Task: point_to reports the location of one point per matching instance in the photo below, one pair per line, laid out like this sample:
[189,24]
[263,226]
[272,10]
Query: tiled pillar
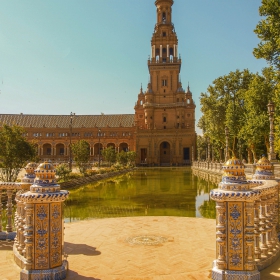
[43,230]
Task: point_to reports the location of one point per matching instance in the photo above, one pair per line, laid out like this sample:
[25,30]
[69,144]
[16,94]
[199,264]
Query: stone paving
[136,248]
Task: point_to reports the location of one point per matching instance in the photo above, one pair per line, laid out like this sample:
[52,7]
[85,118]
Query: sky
[90,56]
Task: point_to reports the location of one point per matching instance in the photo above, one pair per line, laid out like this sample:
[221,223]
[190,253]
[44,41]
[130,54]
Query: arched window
[163,17]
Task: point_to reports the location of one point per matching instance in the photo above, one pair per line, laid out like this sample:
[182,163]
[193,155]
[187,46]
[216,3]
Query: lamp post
[271,109]
[99,131]
[227,134]
[70,148]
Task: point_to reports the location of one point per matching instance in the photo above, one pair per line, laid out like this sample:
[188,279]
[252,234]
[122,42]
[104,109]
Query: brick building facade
[162,130]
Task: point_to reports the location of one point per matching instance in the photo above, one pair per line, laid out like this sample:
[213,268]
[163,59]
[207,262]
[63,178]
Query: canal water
[143,192]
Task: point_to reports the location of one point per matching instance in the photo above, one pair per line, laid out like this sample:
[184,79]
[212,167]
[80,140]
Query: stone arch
[123,147]
[165,152]
[60,149]
[96,149]
[111,145]
[47,149]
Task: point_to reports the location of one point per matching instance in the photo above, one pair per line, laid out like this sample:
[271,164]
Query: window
[178,125]
[49,151]
[164,34]
[163,16]
[164,127]
[164,119]
[164,83]
[177,99]
[164,145]
[61,151]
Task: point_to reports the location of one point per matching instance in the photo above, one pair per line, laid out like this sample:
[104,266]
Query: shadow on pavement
[72,275]
[80,249]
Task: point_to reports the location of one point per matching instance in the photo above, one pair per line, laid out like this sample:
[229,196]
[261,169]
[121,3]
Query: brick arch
[123,147]
[60,149]
[111,145]
[96,149]
[47,149]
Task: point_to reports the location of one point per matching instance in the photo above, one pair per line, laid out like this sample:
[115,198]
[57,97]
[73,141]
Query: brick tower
[165,112]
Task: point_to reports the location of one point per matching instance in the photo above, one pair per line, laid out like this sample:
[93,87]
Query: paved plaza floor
[136,248]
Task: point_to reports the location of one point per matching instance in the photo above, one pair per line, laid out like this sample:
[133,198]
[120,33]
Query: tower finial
[188,86]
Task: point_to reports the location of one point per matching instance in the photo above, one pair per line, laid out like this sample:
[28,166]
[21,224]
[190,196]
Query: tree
[15,151]
[268,31]
[222,105]
[131,156]
[81,152]
[109,155]
[63,171]
[255,122]
[122,157]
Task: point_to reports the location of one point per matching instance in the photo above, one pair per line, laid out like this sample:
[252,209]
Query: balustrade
[6,192]
[247,220]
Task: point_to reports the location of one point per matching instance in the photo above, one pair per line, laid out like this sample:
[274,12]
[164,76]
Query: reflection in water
[150,192]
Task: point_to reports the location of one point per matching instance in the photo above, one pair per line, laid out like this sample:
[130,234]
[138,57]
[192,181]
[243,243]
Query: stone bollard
[42,256]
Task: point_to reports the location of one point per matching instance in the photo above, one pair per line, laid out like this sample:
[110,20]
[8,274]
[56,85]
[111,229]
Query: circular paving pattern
[146,240]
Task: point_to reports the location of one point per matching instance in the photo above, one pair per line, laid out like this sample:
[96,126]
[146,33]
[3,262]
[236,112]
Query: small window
[164,152]
[164,96]
[164,127]
[164,34]
[164,119]
[151,117]
[164,83]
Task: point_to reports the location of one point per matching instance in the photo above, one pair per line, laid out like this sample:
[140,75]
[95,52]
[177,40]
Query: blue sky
[90,56]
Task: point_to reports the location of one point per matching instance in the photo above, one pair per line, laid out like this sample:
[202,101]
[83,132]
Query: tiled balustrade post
[43,229]
[237,233]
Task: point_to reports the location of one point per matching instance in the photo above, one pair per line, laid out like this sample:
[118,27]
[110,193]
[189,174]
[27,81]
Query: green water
[143,192]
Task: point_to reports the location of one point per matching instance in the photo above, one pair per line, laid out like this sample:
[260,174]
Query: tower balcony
[161,60]
[166,105]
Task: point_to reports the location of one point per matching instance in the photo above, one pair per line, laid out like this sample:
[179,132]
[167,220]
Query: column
[9,227]
[174,51]
[221,235]
[257,231]
[28,234]
[263,230]
[249,236]
[160,51]
[167,51]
